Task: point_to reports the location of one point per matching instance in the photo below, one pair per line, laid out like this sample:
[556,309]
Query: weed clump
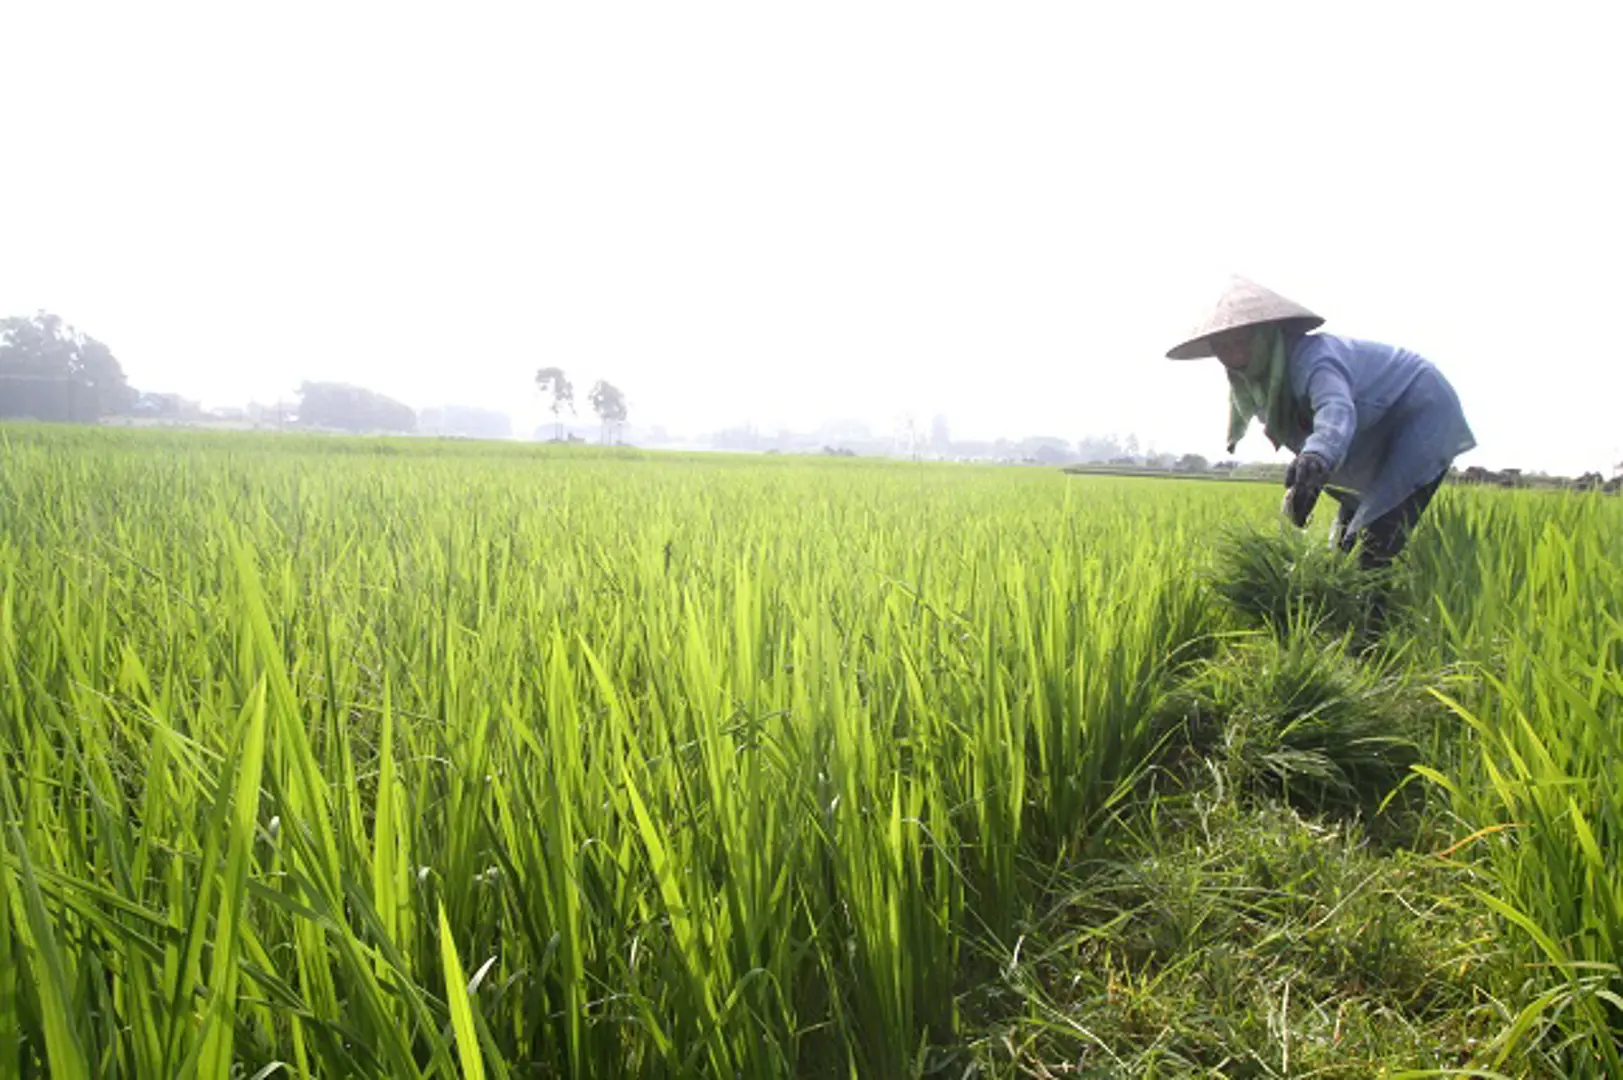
[1285,579]
[1227,937]
[1299,718]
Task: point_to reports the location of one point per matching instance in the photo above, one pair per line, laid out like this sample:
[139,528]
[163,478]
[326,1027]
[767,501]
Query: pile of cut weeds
[1226,936]
[1273,904]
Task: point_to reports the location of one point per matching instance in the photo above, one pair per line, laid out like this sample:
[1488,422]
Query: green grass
[328,757]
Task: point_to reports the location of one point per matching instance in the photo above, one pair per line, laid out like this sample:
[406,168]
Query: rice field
[345,758]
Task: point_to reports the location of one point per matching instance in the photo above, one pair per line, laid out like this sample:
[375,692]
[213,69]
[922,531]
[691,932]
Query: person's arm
[1335,418]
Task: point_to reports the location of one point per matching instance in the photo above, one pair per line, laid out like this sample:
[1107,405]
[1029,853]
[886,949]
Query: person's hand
[1304,480]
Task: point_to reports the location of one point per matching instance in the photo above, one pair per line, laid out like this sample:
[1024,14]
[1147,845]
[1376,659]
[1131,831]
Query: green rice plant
[1539,754]
[354,763]
[335,757]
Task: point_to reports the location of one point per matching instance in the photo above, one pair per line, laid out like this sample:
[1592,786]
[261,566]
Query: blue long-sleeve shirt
[1383,417]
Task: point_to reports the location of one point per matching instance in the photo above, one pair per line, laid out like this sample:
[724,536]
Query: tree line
[51,371]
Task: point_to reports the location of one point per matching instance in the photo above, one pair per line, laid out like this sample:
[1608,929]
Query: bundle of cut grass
[1285,578]
[1289,716]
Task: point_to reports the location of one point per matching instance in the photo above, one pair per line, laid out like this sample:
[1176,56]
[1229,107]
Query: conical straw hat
[1243,303]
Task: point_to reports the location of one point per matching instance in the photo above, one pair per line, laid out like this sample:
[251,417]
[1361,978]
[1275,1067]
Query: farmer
[1377,422]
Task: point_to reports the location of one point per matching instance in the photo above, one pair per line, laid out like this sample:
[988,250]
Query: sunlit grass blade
[456,994]
[216,1058]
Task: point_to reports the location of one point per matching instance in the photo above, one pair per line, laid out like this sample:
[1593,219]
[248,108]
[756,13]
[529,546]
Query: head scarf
[1263,390]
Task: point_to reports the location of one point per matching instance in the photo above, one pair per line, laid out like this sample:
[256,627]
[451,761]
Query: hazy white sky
[784,213]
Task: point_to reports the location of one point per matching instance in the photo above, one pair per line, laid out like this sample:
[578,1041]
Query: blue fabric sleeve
[1323,379]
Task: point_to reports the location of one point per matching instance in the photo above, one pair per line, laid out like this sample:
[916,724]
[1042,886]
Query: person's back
[1384,419]
[1376,373]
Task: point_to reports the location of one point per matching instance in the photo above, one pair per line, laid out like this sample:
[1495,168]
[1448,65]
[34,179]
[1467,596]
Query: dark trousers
[1385,537]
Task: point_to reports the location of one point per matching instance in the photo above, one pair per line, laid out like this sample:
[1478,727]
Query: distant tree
[940,435]
[352,408]
[50,371]
[1130,447]
[1193,463]
[552,380]
[609,404]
